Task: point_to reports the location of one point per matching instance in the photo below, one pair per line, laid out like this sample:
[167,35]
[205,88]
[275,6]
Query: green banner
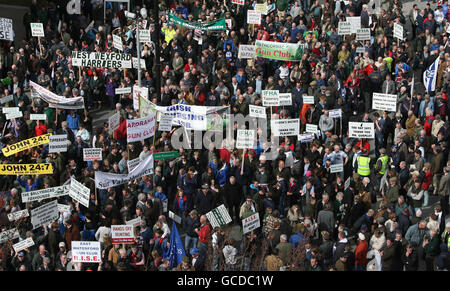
[165,155]
[278,50]
[213,25]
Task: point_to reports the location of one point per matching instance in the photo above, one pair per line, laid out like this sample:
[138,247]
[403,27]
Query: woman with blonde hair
[294,215]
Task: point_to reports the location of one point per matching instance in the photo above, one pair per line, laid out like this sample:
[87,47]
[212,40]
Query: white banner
[363,34]
[13,216]
[335,113]
[337,168]
[45,193]
[126,90]
[79,192]
[57,143]
[344,28]
[398,31]
[26,243]
[385,102]
[92,154]
[308,99]
[253,17]
[44,214]
[122,234]
[257,111]
[104,180]
[312,128]
[56,101]
[114,121]
[355,23]
[270,97]
[133,164]
[6,29]
[37,30]
[251,223]
[139,91]
[188,116]
[117,42]
[86,252]
[361,129]
[38,116]
[165,122]
[246,51]
[101,60]
[285,99]
[285,127]
[245,139]
[141,128]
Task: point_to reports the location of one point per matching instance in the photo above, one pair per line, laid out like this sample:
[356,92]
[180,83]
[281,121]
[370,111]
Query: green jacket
[392,194]
[432,248]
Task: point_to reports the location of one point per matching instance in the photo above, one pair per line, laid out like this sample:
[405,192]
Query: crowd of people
[385,211]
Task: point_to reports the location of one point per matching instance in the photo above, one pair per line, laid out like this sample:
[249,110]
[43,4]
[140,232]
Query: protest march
[225,135]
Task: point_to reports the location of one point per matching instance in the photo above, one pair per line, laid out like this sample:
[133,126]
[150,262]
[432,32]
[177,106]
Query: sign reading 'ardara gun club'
[101,60]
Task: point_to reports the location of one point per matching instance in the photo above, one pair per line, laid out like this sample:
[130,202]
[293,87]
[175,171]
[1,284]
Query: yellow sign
[261,7]
[26,144]
[25,169]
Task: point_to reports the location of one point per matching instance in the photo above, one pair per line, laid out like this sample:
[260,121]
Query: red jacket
[204,234]
[121,132]
[40,130]
[427,180]
[361,253]
[428,124]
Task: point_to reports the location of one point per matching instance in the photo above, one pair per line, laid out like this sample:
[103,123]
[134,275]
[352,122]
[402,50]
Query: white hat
[361,236]
[418,213]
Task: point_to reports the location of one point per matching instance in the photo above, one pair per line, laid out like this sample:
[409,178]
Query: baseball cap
[194,251]
[21,254]
[62,245]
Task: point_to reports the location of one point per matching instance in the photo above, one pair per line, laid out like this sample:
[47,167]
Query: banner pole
[243,161]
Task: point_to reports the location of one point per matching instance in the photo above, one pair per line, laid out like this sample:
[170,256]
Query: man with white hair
[284,249]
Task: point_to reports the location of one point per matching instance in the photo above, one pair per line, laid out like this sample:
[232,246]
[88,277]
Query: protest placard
[219,216]
[344,28]
[63,208]
[117,42]
[44,214]
[175,217]
[360,50]
[253,17]
[347,183]
[285,99]
[257,111]
[336,168]
[37,30]
[13,216]
[38,116]
[285,127]
[363,34]
[246,51]
[251,223]
[45,193]
[385,102]
[361,129]
[79,192]
[141,128]
[238,2]
[165,123]
[122,234]
[312,128]
[139,91]
[26,144]
[26,243]
[308,99]
[135,63]
[134,222]
[92,154]
[101,60]
[270,97]
[125,90]
[133,164]
[9,234]
[86,252]
[398,31]
[16,114]
[9,110]
[7,99]
[335,113]
[245,139]
[26,169]
[261,8]
[355,23]
[6,29]
[114,121]
[58,143]
[306,137]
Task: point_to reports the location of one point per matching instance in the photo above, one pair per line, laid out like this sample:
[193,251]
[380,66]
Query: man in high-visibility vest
[363,164]
[382,164]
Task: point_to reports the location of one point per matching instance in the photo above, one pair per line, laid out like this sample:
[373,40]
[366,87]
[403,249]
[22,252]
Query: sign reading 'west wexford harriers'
[101,60]
[212,25]
[278,50]
[26,144]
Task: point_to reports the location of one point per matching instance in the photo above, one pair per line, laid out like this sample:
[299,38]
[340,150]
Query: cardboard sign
[126,90]
[86,252]
[270,97]
[355,23]
[13,216]
[308,99]
[101,60]
[117,42]
[246,51]
[285,127]
[337,168]
[306,137]
[312,128]
[285,99]
[58,143]
[363,34]
[26,169]
[26,144]
[144,35]
[26,243]
[257,111]
[44,214]
[122,234]
[79,192]
[245,139]
[335,113]
[38,116]
[361,129]
[114,121]
[133,164]
[175,217]
[92,154]
[45,193]
[7,99]
[165,123]
[6,29]
[344,28]
[14,115]
[219,217]
[385,102]
[398,31]
[254,17]
[37,30]
[141,128]
[251,223]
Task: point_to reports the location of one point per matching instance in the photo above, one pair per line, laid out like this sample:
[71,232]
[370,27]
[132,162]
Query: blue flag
[430,76]
[176,252]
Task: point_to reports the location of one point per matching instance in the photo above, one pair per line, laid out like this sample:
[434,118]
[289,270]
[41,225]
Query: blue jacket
[26,186]
[73,122]
[222,175]
[295,239]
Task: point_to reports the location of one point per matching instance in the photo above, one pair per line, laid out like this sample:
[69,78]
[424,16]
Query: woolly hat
[361,236]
